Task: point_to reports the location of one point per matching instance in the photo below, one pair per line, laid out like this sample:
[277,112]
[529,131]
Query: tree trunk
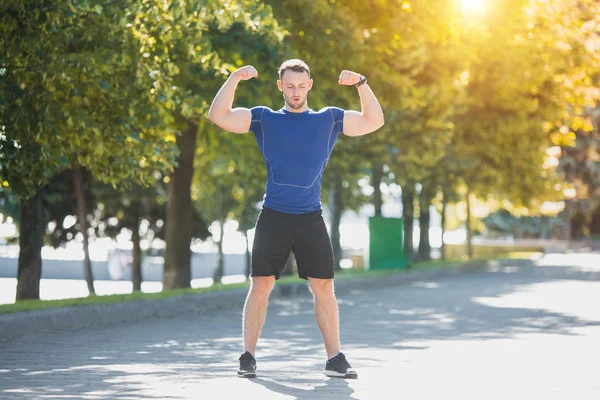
[595,223]
[408,215]
[377,199]
[424,245]
[218,275]
[82,217]
[248,256]
[568,215]
[136,266]
[443,246]
[469,231]
[177,270]
[335,206]
[31,235]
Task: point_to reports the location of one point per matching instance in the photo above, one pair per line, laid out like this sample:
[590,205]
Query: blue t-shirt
[295,149]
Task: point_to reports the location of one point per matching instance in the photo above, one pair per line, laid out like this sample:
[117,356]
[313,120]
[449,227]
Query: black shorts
[278,233]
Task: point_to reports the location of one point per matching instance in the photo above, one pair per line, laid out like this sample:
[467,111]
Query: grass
[29,305]
[460,261]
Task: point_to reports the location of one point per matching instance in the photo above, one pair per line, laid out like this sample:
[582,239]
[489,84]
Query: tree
[68,194]
[140,210]
[66,74]
[511,102]
[251,180]
[82,219]
[186,66]
[218,200]
[228,182]
[447,194]
[579,166]
[422,129]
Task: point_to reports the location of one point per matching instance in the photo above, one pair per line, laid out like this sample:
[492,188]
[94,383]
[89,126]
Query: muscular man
[296,143]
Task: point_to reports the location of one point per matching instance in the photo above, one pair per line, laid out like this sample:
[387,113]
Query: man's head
[294,82]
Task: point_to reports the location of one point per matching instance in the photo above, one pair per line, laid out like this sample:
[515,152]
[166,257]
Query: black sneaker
[339,367]
[247,366]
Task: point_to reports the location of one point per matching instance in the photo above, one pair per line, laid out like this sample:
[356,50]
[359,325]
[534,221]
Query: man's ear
[280,85]
[310,83]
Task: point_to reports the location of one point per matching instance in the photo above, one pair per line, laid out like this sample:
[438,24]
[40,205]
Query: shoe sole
[347,375]
[246,374]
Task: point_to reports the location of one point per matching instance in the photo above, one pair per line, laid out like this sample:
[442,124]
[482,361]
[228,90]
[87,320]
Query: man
[296,143]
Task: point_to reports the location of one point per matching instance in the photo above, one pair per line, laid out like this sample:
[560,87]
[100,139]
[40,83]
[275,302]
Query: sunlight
[474,6]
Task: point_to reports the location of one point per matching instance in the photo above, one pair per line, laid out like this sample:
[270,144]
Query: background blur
[112,179]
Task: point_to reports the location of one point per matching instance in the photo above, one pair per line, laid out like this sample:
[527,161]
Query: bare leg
[326,312]
[255,310]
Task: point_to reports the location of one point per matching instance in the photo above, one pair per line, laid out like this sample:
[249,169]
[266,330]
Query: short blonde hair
[295,65]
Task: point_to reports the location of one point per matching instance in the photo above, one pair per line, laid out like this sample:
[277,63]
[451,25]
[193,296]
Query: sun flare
[473,5]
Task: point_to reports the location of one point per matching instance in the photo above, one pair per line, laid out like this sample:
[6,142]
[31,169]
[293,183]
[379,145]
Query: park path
[520,331]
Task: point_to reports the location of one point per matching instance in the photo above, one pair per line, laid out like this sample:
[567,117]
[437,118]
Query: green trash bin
[386,243]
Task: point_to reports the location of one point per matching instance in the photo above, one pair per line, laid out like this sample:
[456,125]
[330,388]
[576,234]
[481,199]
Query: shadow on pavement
[332,387]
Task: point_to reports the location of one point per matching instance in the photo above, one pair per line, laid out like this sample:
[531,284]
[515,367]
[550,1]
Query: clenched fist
[349,78]
[245,73]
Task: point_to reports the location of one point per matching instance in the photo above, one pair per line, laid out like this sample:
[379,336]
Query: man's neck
[304,108]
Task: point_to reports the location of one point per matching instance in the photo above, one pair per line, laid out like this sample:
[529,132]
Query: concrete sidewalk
[507,331]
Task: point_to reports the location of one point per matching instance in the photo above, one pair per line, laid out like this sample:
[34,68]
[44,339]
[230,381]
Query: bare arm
[235,120]
[371,116]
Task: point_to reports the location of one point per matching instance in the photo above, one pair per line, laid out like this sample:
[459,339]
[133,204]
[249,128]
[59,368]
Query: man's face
[295,87]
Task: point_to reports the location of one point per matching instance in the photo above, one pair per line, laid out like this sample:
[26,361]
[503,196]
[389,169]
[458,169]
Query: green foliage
[579,165]
[472,100]
[512,102]
[71,96]
[187,47]
[230,177]
[190,49]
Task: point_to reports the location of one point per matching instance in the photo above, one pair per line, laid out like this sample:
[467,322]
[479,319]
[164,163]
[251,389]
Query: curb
[15,325]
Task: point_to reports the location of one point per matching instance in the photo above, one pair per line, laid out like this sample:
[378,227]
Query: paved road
[512,332]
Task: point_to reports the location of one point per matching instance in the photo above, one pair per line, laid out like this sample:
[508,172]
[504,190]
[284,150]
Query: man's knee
[262,285]
[321,287]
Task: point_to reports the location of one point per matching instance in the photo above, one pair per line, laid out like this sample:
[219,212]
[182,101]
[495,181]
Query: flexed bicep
[222,114]
[371,116]
[356,124]
[236,120]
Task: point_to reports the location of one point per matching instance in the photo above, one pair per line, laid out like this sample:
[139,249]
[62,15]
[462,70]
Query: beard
[293,105]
